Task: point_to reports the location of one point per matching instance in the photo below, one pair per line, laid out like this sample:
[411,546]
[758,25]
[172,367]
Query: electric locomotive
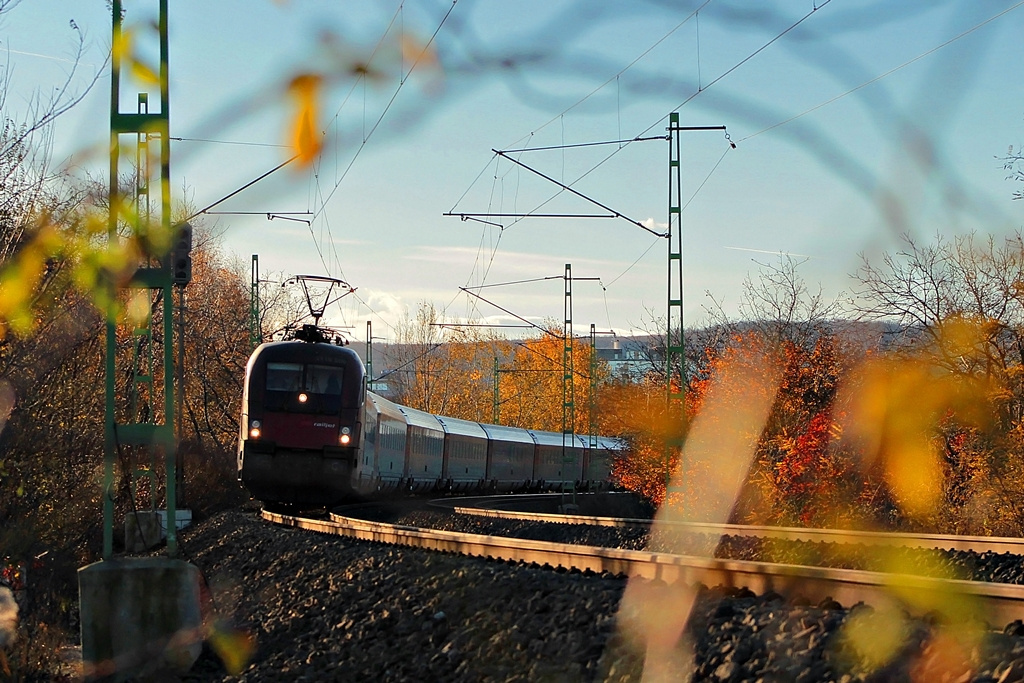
[311,435]
[301,426]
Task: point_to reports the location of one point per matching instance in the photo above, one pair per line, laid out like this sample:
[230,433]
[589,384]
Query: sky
[854,122]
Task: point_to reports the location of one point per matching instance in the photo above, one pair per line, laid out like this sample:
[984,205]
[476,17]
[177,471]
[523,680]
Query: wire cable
[243,187]
[884,75]
[394,96]
[643,133]
[227,142]
[621,72]
[746,59]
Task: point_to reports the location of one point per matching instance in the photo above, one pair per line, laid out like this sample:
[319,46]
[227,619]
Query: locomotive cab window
[284,376]
[324,379]
[322,384]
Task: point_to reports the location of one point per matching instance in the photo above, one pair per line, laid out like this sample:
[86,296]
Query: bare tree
[26,178]
[959,305]
[1013,164]
[927,291]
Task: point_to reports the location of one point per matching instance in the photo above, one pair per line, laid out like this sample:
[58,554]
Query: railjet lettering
[329,425]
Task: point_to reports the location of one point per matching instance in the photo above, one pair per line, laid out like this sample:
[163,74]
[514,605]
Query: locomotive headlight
[346,430]
[254,429]
[345,438]
[303,398]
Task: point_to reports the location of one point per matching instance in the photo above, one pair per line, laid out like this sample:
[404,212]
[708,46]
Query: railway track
[995,603]
[486,506]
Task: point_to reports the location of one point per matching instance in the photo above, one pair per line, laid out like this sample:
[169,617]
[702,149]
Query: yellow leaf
[143,72]
[875,636]
[138,309]
[234,647]
[122,45]
[915,474]
[306,142]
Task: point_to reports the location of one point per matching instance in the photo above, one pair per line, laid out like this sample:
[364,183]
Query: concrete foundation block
[140,617]
[142,531]
[182,519]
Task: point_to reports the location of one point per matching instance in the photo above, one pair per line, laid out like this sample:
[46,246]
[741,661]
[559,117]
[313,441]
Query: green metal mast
[496,408]
[255,332]
[675,349]
[593,386]
[144,423]
[568,394]
[369,355]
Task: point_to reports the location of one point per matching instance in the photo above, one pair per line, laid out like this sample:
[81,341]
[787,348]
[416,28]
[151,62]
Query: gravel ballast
[331,608]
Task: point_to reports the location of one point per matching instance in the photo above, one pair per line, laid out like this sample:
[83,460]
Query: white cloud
[652,224]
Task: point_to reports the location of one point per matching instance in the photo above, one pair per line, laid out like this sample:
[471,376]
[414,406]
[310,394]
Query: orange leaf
[306,142]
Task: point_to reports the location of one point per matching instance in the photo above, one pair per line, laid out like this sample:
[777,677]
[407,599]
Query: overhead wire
[494,249]
[818,106]
[614,78]
[520,282]
[638,259]
[392,371]
[387,107]
[643,133]
[242,188]
[884,75]
[472,306]
[607,313]
[626,68]
[226,142]
[700,89]
[746,59]
[704,182]
[403,77]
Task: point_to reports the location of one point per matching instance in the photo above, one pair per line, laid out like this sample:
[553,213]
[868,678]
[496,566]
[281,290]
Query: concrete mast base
[140,617]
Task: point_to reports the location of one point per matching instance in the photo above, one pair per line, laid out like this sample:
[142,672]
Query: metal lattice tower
[369,355]
[255,331]
[496,404]
[675,351]
[675,345]
[143,422]
[593,386]
[568,394]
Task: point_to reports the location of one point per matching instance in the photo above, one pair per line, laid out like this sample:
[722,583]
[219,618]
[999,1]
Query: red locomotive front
[300,430]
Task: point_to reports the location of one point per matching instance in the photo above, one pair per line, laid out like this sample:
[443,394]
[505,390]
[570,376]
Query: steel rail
[997,604]
[978,544]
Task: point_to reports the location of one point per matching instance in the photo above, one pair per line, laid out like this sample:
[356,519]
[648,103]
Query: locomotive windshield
[321,384]
[324,379]
[284,376]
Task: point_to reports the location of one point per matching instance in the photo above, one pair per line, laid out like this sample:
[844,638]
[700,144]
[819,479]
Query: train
[312,434]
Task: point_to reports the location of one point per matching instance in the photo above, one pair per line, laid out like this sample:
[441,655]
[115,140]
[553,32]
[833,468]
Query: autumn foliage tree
[959,306]
[443,368]
[446,368]
[638,413]
[533,387]
[909,416]
[793,477]
[801,476]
